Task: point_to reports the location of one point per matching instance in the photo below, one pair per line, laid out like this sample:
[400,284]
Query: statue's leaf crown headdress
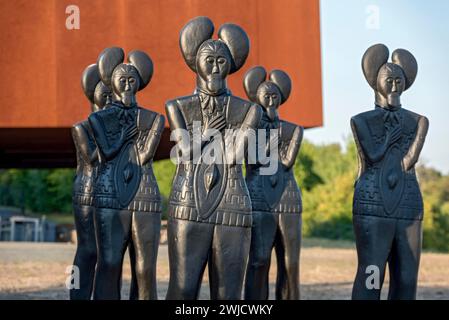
[257,76]
[110,58]
[377,55]
[201,29]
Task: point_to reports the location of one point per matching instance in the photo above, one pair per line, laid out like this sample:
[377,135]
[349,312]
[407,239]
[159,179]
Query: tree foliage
[326,174]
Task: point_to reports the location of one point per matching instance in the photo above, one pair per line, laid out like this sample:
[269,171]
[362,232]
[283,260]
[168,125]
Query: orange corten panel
[42,61]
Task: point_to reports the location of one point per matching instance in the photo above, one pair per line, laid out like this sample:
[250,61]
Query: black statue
[388,206]
[275,198]
[209,207]
[87,162]
[127,198]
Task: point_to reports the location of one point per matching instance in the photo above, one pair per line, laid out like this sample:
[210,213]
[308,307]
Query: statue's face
[102,96]
[391,83]
[213,64]
[269,97]
[125,83]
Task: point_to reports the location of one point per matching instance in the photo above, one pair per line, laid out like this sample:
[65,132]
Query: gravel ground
[37,271]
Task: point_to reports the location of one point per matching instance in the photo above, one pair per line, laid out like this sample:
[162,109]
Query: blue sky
[348,28]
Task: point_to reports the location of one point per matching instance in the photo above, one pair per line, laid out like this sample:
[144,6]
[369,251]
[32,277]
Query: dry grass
[37,271]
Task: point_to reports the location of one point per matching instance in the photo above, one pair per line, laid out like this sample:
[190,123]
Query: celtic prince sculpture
[275,198]
[127,198]
[209,207]
[388,206]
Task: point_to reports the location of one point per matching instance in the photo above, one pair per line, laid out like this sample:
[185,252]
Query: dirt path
[37,271]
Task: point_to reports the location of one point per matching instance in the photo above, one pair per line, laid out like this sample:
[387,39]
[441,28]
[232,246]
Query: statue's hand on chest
[215,121]
[393,127]
[272,132]
[128,122]
[213,113]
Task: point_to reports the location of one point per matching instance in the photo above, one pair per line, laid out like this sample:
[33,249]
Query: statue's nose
[215,68]
[127,86]
[394,88]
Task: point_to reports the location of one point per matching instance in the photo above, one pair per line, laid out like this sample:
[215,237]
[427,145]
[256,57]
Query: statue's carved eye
[398,80]
[132,80]
[221,60]
[210,60]
[267,96]
[274,96]
[122,80]
[105,95]
[389,80]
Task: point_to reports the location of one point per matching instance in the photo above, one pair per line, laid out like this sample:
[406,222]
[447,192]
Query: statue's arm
[153,139]
[293,148]
[178,128]
[412,156]
[82,145]
[109,151]
[251,122]
[363,139]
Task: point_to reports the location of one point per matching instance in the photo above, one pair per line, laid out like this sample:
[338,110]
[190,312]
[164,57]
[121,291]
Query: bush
[325,173]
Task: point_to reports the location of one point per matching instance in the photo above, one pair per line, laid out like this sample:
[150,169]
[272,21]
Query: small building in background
[18,227]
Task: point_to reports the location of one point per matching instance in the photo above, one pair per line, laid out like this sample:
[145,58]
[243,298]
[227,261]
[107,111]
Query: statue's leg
[134,287]
[227,262]
[263,232]
[374,238]
[404,260]
[113,233]
[86,251]
[145,234]
[288,248]
[189,244]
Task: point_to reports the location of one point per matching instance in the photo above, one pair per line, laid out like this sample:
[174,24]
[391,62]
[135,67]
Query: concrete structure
[42,61]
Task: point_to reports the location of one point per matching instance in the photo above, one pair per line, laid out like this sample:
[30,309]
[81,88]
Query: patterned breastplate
[384,188]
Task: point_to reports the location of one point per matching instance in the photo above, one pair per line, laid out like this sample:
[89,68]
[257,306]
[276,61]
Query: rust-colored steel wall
[42,60]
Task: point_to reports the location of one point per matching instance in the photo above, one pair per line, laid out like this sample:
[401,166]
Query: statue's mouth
[271,113]
[214,84]
[127,98]
[394,99]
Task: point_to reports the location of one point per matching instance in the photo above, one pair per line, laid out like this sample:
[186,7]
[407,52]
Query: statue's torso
[234,204]
[278,193]
[143,189]
[384,188]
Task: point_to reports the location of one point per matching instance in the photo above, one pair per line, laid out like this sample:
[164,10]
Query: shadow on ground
[324,291]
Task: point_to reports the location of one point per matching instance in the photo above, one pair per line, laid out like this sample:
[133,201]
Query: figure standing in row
[127,198]
[275,198]
[209,207]
[85,260]
[388,206]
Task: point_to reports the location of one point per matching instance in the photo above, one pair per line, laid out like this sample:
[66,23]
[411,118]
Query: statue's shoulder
[239,108]
[106,120]
[413,115]
[146,117]
[80,125]
[240,105]
[109,112]
[367,115]
[288,129]
[184,102]
[370,118]
[82,131]
[412,120]
[188,106]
